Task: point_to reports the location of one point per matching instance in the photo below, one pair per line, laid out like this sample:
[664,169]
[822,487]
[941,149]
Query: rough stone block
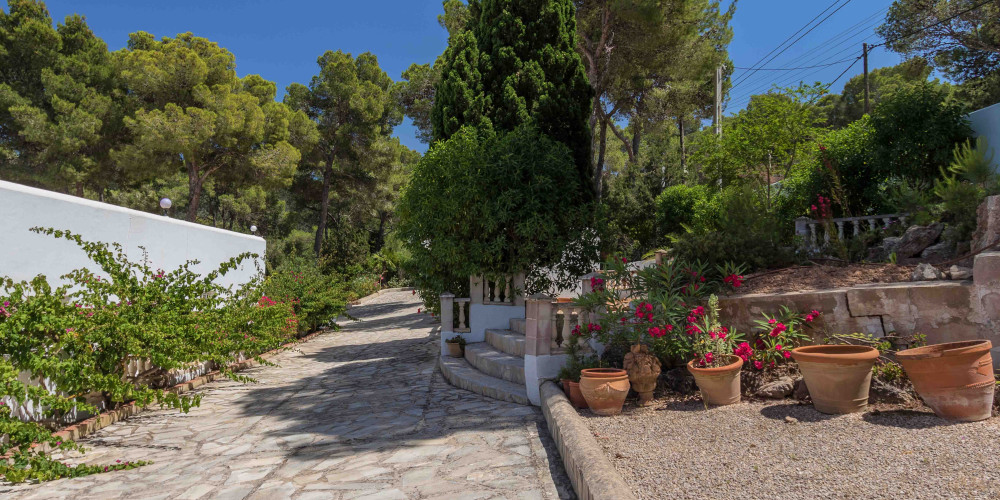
[986,270]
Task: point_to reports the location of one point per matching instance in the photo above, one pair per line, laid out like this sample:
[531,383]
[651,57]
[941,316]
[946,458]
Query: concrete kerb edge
[589,470]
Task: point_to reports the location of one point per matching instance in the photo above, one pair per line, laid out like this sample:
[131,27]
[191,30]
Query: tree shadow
[798,411]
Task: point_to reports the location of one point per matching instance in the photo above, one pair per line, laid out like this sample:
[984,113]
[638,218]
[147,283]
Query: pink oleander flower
[787,354]
[758,365]
[777,347]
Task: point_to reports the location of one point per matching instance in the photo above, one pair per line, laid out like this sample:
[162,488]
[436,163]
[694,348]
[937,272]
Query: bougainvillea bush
[316,298]
[655,305]
[81,338]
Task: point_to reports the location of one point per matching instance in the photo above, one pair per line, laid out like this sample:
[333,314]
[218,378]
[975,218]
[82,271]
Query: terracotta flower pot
[838,376]
[643,371]
[455,349]
[604,389]
[572,390]
[719,385]
[954,379]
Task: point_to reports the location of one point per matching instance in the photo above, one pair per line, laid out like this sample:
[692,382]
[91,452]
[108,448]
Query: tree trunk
[599,168]
[324,209]
[636,137]
[680,129]
[194,191]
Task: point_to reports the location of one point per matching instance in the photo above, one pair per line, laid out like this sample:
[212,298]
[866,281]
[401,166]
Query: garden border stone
[93,424]
[589,470]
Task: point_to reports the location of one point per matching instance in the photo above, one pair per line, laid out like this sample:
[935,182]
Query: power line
[799,38]
[800,67]
[825,48]
[759,61]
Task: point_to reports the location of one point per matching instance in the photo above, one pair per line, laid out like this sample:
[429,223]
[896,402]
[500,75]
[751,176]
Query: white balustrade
[810,229]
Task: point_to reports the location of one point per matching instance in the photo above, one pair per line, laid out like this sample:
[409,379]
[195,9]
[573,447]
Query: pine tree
[517,64]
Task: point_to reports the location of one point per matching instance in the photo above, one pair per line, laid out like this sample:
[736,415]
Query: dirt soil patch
[676,448]
[822,277]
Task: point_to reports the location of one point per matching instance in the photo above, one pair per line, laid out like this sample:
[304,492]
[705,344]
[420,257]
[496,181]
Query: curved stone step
[460,373]
[506,341]
[517,325]
[494,363]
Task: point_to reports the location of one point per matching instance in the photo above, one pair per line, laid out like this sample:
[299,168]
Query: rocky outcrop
[926,272]
[938,252]
[916,239]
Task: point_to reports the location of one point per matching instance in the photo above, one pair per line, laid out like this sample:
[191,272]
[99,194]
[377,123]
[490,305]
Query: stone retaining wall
[944,311]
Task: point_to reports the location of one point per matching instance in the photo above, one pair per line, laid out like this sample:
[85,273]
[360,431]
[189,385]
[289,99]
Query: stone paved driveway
[359,413]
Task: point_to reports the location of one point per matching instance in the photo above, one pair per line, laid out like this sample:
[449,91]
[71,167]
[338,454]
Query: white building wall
[986,123]
[169,242]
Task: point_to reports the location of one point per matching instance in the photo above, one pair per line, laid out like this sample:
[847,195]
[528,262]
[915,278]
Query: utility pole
[717,118]
[864,53]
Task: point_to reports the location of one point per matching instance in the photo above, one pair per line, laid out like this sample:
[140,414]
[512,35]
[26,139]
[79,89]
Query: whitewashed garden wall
[168,243]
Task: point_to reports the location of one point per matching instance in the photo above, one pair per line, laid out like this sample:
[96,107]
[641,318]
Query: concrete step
[517,325]
[506,341]
[460,373]
[494,363]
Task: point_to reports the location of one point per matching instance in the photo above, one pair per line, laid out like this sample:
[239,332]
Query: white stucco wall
[986,123]
[169,242]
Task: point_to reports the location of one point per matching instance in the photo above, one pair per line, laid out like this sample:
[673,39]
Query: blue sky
[281,41]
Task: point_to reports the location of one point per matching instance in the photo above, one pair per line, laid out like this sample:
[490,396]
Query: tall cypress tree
[517,63]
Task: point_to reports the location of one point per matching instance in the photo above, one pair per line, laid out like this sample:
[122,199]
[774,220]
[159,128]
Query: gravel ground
[787,450]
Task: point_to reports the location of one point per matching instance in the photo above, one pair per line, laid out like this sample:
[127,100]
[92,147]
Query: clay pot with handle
[572,390]
[954,379]
[604,389]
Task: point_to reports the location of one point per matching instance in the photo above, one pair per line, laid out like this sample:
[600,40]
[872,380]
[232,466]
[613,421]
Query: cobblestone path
[360,413]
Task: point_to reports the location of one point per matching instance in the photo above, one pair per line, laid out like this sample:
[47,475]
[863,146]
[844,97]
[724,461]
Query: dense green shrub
[675,207]
[493,205]
[316,298]
[914,131]
[734,227]
[628,204]
[81,337]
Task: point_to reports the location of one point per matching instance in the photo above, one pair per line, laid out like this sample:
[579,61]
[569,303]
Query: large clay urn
[643,371]
[604,389]
[954,379]
[838,376]
[719,385]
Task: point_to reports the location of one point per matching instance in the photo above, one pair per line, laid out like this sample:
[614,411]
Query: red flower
[758,365]
[787,354]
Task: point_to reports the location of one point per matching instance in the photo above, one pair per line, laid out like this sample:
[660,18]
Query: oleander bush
[81,337]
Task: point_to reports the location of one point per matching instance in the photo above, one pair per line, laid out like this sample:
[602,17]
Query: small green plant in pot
[569,375]
[456,346]
[715,369]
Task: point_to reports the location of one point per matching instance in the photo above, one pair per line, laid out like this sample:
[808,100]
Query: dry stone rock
[801,392]
[882,252]
[926,272]
[959,273]
[987,224]
[918,238]
[777,389]
[881,392]
[937,252]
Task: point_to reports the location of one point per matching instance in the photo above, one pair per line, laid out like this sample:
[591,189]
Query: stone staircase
[494,368]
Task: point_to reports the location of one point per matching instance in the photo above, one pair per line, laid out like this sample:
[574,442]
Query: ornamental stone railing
[813,231]
[492,303]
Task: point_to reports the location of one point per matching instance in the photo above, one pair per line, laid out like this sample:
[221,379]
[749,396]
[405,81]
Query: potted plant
[569,375]
[838,376]
[604,389]
[456,346]
[715,369]
[954,379]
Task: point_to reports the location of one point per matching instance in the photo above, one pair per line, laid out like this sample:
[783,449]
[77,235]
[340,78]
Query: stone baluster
[463,306]
[447,314]
[840,230]
[902,221]
[812,235]
[506,290]
[874,226]
[857,227]
[826,235]
[886,221]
